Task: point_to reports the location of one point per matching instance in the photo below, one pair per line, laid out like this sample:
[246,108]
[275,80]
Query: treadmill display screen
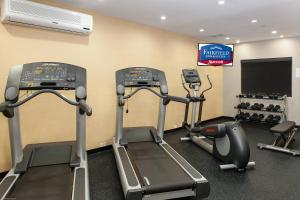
[48,75]
[40,73]
[141,77]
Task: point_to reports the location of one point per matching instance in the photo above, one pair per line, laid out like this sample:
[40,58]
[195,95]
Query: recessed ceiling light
[227,38]
[221,2]
[202,30]
[254,21]
[238,41]
[163,17]
[281,36]
[274,32]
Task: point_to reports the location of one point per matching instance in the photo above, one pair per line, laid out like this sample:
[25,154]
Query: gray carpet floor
[276,175]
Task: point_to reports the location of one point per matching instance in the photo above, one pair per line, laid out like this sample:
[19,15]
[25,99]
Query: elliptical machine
[226,141]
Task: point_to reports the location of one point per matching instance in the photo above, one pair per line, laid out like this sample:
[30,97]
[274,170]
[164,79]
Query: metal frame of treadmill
[17,150]
[198,178]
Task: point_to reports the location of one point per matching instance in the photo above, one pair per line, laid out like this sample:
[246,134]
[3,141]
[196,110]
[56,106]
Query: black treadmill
[58,170]
[148,167]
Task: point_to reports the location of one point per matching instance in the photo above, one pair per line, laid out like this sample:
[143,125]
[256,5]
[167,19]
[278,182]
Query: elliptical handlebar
[81,104]
[210,86]
[184,87]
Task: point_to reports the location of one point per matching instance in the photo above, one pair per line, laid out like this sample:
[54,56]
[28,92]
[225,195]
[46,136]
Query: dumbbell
[270,107]
[259,96]
[249,96]
[273,96]
[276,108]
[246,116]
[238,116]
[254,106]
[276,119]
[257,117]
[261,117]
[243,116]
[247,105]
[241,105]
[254,117]
[261,106]
[270,118]
[257,106]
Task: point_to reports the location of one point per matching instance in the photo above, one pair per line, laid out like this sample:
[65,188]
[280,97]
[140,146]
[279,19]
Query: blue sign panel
[215,54]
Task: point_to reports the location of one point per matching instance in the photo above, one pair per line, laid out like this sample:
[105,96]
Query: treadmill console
[137,77]
[140,77]
[191,76]
[48,75]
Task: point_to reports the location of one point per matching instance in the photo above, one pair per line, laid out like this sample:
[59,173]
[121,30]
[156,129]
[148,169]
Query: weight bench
[284,136]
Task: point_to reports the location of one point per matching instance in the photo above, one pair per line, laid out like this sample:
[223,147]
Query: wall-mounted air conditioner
[28,13]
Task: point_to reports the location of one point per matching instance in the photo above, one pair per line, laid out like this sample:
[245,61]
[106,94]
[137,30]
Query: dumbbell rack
[282,101]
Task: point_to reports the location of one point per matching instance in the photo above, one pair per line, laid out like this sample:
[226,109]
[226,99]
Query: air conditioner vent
[217,36]
[28,13]
[49,14]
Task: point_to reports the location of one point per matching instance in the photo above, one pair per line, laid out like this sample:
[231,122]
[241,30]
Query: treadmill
[149,168]
[56,171]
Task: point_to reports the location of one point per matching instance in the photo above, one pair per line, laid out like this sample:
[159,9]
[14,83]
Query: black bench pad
[284,127]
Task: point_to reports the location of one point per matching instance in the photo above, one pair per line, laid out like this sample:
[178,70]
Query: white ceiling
[233,19]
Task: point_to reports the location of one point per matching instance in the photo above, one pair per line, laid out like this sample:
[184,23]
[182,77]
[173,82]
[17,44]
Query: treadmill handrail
[81,104]
[143,88]
[166,97]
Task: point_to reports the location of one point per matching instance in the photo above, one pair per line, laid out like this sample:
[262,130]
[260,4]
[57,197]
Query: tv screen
[267,76]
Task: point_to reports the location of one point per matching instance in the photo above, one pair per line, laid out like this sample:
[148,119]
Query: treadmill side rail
[131,186]
[202,188]
[170,195]
[81,187]
[6,184]
[79,184]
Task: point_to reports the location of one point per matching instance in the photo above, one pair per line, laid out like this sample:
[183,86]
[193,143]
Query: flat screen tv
[267,76]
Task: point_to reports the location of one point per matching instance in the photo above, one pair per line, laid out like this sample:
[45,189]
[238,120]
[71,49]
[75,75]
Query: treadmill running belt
[158,170]
[53,182]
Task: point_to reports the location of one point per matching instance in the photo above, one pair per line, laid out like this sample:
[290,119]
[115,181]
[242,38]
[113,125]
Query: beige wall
[113,45]
[286,47]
